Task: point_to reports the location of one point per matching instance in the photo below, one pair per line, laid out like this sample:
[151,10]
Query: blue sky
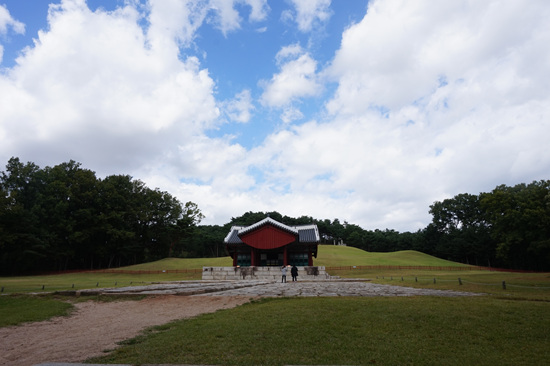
[366,111]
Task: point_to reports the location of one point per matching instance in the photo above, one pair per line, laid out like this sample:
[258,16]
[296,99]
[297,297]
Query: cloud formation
[297,78]
[7,22]
[420,101]
[431,101]
[308,13]
[93,81]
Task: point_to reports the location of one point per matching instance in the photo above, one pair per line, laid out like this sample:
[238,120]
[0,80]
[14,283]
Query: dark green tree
[63,217]
[22,247]
[520,224]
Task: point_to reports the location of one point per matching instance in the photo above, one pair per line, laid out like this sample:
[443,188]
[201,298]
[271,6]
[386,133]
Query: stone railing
[312,273]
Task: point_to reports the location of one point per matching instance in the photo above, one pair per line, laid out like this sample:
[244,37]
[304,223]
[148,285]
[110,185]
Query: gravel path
[98,326]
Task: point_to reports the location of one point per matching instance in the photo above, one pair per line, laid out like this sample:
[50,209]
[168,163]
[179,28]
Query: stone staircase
[309,273]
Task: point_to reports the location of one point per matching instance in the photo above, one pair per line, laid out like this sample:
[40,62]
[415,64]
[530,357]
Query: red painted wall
[268,237]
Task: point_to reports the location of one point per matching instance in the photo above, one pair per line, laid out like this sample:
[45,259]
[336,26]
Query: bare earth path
[96,326]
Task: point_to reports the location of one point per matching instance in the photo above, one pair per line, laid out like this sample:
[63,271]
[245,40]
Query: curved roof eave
[268,220]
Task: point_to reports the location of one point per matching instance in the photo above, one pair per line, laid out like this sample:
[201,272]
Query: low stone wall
[262,273]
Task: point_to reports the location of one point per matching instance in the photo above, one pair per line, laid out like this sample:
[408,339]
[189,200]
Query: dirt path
[95,327]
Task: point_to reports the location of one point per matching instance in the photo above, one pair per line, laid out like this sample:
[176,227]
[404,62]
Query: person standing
[283,271]
[294,273]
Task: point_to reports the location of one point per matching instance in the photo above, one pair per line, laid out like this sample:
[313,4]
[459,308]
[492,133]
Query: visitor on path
[283,271]
[294,273]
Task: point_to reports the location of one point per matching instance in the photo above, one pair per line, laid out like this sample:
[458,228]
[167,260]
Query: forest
[64,217]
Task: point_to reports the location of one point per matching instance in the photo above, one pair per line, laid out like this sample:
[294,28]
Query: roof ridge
[266,221]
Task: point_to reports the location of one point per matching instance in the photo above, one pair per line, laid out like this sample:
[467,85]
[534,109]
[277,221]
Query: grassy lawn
[93,279]
[19,309]
[85,280]
[506,327]
[353,331]
[534,286]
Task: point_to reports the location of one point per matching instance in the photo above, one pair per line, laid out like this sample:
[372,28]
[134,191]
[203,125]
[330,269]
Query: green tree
[22,248]
[462,229]
[520,223]
[64,217]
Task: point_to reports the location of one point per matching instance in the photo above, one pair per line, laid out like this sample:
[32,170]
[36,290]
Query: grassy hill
[182,263]
[334,256]
[328,256]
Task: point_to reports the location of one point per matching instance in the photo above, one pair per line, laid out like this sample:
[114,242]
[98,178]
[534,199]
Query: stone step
[313,273]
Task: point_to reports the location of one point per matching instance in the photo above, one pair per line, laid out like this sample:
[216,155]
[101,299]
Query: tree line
[508,227]
[64,217]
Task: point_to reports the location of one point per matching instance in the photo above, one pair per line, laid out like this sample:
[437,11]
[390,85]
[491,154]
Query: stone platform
[311,273]
[258,288]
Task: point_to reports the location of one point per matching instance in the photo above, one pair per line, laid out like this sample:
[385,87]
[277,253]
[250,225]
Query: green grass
[329,255]
[334,256]
[93,279]
[506,327]
[359,331]
[15,310]
[85,280]
[183,263]
[534,286]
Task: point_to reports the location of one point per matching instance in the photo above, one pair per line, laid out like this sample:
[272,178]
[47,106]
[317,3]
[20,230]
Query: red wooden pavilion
[271,243]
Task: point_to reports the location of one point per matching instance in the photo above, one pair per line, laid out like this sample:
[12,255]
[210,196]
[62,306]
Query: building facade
[271,243]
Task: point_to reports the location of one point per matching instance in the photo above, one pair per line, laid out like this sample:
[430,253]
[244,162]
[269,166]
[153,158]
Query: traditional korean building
[271,243]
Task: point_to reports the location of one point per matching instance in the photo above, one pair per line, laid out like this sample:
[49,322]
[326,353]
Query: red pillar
[285,258]
[252,257]
[309,258]
[235,259]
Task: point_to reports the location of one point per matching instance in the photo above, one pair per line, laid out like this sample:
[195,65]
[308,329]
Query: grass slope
[182,263]
[334,256]
[328,255]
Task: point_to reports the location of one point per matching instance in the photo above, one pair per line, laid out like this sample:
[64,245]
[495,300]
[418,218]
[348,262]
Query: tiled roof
[233,237]
[268,220]
[306,233]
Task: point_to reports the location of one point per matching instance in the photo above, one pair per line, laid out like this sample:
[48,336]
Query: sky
[365,111]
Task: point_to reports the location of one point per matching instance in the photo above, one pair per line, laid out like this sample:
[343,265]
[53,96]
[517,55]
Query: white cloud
[91,89]
[297,78]
[239,109]
[290,114]
[288,53]
[7,21]
[414,46]
[259,9]
[435,100]
[177,19]
[309,13]
[227,18]
[431,99]
[174,20]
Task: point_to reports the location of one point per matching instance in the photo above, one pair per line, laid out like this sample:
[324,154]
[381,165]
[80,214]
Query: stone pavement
[259,288]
